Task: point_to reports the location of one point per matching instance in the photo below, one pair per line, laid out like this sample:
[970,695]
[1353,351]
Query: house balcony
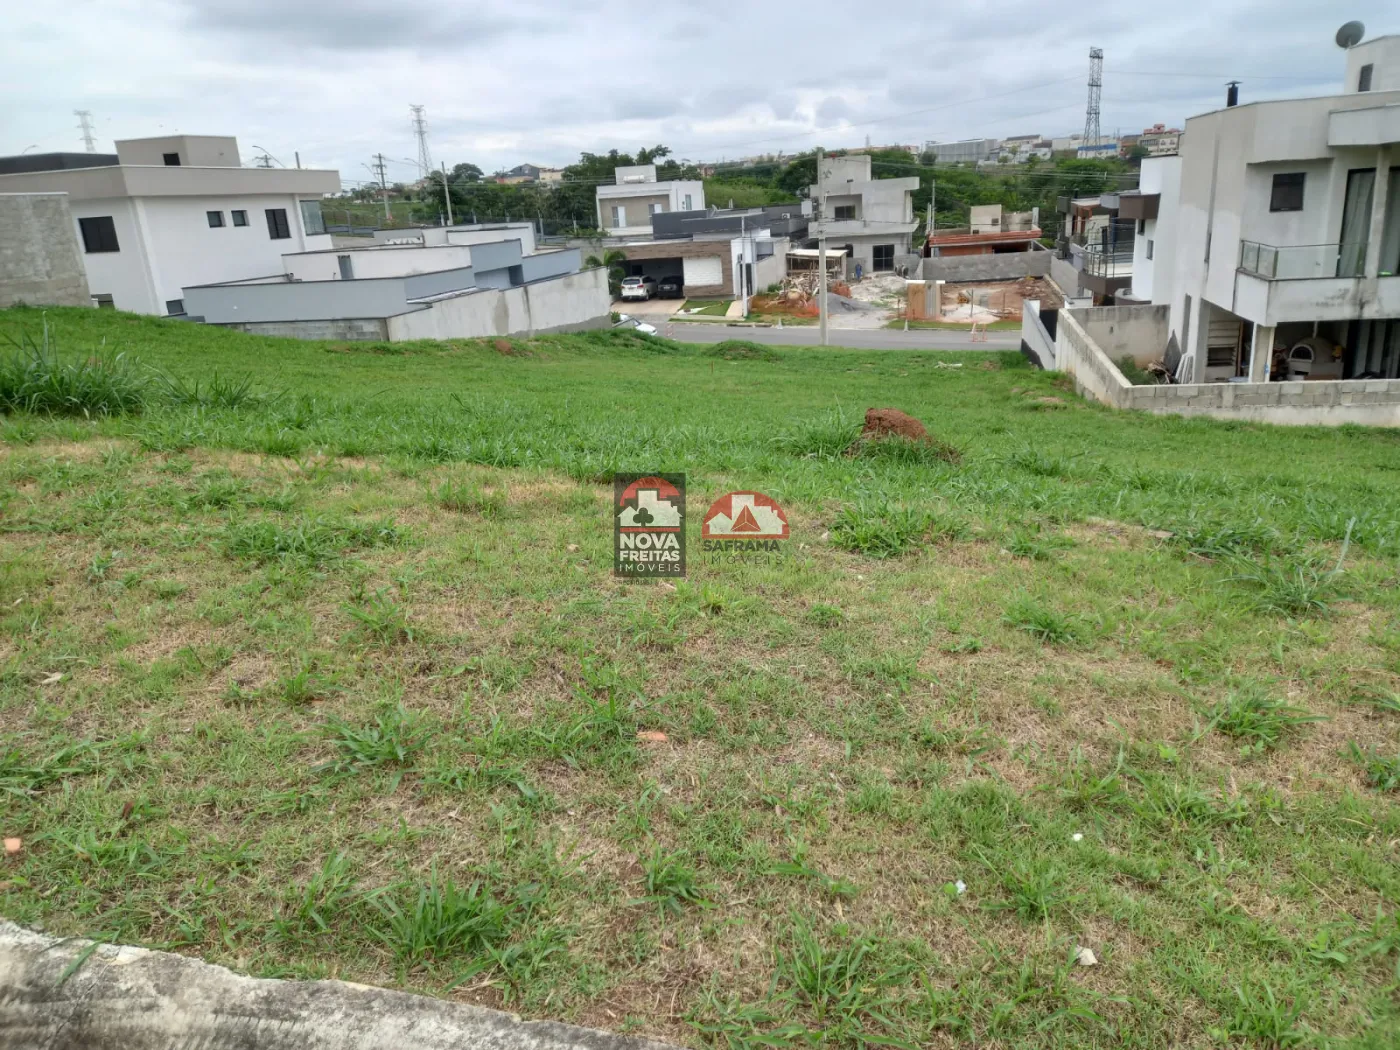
[1376,126]
[1310,282]
[1107,273]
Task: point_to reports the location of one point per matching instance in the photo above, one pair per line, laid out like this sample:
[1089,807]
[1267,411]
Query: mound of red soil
[891,422]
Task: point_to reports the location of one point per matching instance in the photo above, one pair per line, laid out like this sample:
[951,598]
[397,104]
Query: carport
[706,267]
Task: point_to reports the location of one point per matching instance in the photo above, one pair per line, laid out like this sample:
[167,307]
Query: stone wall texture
[40,261]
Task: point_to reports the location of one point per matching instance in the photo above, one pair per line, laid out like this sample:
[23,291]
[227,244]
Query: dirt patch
[891,422]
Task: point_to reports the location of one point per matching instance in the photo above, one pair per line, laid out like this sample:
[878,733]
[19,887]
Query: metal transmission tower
[85,126]
[420,131]
[1091,114]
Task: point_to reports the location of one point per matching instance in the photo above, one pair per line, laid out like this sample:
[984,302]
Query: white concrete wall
[386,261]
[579,301]
[1383,56]
[125,274]
[1152,278]
[524,234]
[167,244]
[1034,337]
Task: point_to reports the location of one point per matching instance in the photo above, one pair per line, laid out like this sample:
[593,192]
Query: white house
[1286,233]
[873,219]
[165,213]
[625,208]
[1153,207]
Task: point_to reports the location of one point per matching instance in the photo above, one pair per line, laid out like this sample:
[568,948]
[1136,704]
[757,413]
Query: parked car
[671,288]
[638,287]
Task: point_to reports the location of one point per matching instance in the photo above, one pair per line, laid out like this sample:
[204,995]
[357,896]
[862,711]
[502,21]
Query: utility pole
[932,213]
[446,196]
[821,245]
[85,126]
[383,183]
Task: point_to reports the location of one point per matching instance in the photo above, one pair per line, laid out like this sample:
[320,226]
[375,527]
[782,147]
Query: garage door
[705,271]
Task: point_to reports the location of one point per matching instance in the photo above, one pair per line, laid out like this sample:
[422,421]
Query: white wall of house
[1383,56]
[387,261]
[166,244]
[675,195]
[1152,276]
[1228,160]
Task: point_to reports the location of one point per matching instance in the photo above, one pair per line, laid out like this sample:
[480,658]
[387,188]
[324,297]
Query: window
[1363,79]
[1287,192]
[1142,226]
[172,160]
[99,234]
[240,217]
[311,220]
[103,301]
[619,216]
[277,227]
[685,203]
[175,307]
[216,219]
[882,258]
[845,211]
[1149,248]
[655,209]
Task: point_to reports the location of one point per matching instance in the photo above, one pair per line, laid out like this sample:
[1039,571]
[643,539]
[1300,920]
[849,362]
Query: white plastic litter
[960,886]
[1086,958]
[1078,836]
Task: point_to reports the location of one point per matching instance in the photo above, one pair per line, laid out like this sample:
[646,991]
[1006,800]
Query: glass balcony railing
[1109,264]
[1301,261]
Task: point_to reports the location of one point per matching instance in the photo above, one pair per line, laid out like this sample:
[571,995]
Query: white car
[638,287]
[628,321]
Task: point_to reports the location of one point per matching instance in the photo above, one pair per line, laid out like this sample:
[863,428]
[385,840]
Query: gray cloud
[542,80]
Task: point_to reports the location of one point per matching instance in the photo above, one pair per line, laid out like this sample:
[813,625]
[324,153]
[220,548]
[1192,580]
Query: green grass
[705,308]
[314,667]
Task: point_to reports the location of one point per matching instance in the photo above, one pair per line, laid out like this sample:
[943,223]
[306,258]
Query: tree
[465,173]
[613,260]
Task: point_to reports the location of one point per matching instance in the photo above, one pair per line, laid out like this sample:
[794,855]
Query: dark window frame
[844,213]
[175,308]
[1288,191]
[97,237]
[171,160]
[278,228]
[239,216]
[875,252]
[215,219]
[1364,75]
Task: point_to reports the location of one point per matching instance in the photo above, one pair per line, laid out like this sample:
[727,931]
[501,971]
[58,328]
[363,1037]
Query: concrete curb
[134,999]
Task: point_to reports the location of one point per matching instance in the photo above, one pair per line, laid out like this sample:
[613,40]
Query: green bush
[35,378]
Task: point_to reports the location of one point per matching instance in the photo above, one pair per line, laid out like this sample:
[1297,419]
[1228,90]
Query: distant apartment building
[1067,143]
[163,213]
[873,219]
[1160,140]
[625,208]
[965,151]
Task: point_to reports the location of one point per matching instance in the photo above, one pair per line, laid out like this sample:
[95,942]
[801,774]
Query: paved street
[864,339]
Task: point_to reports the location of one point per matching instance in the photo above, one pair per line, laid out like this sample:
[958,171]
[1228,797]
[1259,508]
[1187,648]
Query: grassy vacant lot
[328,676]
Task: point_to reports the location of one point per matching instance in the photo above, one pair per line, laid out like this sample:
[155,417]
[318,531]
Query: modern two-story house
[1285,233]
[873,219]
[625,208]
[165,213]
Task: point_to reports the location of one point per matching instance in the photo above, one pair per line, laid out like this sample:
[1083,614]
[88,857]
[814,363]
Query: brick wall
[40,261]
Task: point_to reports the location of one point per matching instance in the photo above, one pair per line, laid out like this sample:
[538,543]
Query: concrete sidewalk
[65,995]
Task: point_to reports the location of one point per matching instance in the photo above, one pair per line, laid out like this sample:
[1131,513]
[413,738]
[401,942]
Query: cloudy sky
[542,80]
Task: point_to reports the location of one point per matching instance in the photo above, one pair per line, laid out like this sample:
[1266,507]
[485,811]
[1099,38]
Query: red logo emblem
[744,516]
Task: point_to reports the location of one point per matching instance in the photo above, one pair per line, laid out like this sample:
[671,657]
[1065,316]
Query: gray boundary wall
[1366,402]
[1005,266]
[40,264]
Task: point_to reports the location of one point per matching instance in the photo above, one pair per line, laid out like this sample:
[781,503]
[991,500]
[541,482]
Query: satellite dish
[1350,35]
